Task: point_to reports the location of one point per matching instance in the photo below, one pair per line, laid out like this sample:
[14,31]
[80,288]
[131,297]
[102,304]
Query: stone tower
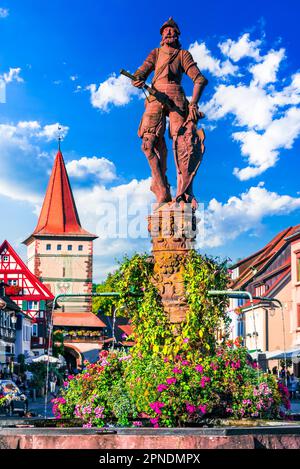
[60,251]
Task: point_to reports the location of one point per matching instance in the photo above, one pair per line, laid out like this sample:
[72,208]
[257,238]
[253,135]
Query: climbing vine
[153,332]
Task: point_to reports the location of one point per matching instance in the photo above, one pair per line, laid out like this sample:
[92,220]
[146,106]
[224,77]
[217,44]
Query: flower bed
[126,390]
[176,374]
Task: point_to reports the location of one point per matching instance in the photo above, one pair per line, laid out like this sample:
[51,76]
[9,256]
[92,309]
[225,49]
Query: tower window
[69,247]
[48,247]
[80,247]
[59,247]
[5,258]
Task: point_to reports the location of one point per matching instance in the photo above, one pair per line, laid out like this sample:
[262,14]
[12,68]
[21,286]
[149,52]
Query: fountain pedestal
[173,233]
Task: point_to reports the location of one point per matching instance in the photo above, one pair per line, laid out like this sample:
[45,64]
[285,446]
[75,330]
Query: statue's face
[169,35]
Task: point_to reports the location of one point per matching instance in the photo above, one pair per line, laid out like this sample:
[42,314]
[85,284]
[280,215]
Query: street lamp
[119,308]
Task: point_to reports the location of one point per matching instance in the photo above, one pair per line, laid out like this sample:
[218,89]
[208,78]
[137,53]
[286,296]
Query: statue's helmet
[170,23]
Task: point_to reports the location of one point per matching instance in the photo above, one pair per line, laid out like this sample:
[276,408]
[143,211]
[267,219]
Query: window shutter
[43,305]
[24,305]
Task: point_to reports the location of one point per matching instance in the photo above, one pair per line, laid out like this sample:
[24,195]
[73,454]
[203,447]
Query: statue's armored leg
[158,185]
[162,153]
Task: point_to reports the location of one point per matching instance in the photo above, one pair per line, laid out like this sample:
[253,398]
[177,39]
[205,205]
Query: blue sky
[60,62]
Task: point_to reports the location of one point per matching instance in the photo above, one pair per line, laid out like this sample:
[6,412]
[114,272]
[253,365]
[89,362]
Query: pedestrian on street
[53,381]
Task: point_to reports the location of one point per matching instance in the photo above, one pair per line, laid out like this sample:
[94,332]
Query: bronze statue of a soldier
[169,62]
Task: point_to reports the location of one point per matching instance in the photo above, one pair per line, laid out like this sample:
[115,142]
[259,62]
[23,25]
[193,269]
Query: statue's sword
[161,97]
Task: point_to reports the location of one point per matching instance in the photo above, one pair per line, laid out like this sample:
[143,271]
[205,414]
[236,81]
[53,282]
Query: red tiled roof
[77,320]
[59,214]
[264,256]
[126,328]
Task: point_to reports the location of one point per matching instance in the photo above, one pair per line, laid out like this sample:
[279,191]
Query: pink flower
[214,366]
[199,368]
[185,363]
[156,406]
[177,370]
[236,365]
[154,421]
[166,360]
[70,377]
[185,341]
[190,408]
[87,425]
[202,408]
[66,384]
[171,380]
[137,423]
[204,380]
[162,387]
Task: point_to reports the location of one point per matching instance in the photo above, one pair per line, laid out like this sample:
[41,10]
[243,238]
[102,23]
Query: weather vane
[59,136]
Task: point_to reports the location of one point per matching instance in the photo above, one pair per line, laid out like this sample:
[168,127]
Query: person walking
[293,386]
[53,381]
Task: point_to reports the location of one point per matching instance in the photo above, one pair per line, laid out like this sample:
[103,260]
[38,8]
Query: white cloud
[226,221]
[102,168]
[262,150]
[20,149]
[53,131]
[206,61]
[12,75]
[266,71]
[73,77]
[25,130]
[256,107]
[243,47]
[290,94]
[4,12]
[250,105]
[118,215]
[19,194]
[116,91]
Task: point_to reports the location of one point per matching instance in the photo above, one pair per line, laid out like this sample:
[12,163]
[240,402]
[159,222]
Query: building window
[33,305]
[69,247]
[5,258]
[235,273]
[13,282]
[42,314]
[59,247]
[298,268]
[34,330]
[48,247]
[80,247]
[260,290]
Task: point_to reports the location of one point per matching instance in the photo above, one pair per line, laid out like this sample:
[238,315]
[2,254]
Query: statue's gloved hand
[193,114]
[138,83]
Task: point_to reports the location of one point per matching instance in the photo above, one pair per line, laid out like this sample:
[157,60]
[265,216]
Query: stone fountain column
[173,232]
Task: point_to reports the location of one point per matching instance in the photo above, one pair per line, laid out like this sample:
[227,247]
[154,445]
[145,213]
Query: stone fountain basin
[30,434]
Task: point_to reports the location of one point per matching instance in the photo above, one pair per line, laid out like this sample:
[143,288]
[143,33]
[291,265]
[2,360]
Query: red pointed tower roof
[59,214]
